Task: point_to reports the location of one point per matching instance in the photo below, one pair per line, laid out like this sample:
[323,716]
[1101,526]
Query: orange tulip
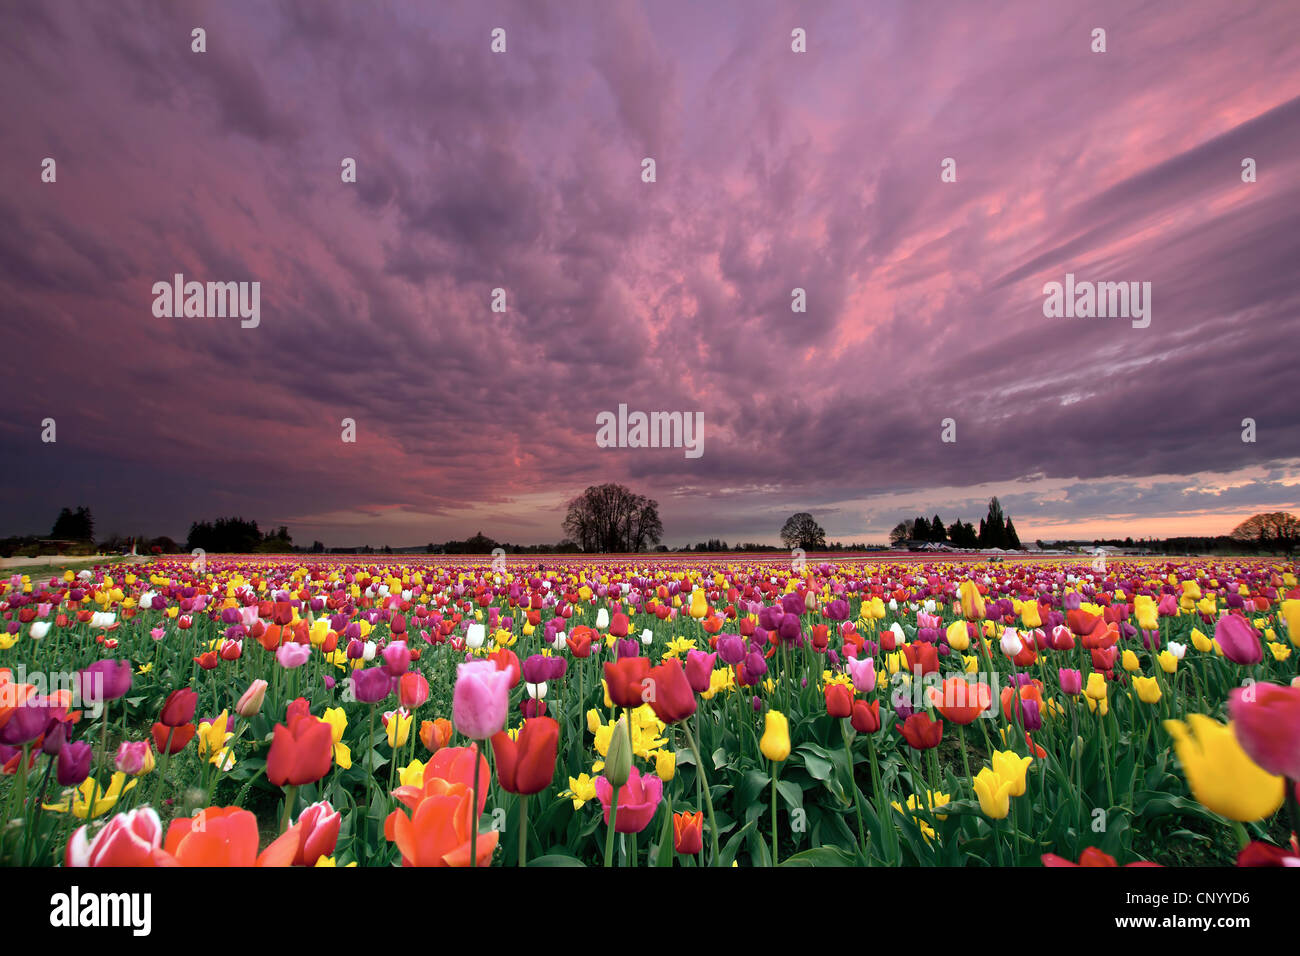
[225,836]
[435,734]
[437,833]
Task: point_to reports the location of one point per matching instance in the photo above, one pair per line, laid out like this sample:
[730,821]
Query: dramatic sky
[775,170]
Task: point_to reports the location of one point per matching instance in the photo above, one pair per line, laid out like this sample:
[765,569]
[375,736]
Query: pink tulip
[1266,719]
[1240,641]
[863,673]
[293,655]
[132,757]
[157,633]
[133,838]
[638,799]
[480,699]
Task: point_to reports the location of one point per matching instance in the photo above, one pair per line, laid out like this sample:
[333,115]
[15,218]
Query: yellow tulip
[994,794]
[1129,661]
[399,728]
[665,765]
[1012,768]
[972,602]
[1096,687]
[1221,777]
[1148,689]
[776,737]
[958,636]
[1291,614]
[1029,615]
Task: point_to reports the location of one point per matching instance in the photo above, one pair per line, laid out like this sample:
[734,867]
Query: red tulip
[579,640]
[921,732]
[672,696]
[688,832]
[300,753]
[865,718]
[527,765]
[180,736]
[412,689]
[922,658]
[626,680]
[179,707]
[839,700]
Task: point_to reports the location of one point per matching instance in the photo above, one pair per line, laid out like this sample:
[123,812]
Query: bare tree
[610,517]
[802,531]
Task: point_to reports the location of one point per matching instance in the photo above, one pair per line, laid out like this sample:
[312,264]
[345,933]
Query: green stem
[290,798]
[473,796]
[708,795]
[609,835]
[523,829]
[774,764]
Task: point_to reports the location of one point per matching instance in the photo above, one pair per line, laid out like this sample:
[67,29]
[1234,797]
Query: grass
[73,563]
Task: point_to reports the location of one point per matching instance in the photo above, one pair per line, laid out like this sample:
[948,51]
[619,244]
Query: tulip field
[638,711]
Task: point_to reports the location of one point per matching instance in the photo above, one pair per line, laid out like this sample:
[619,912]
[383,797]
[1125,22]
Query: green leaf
[555,859]
[821,856]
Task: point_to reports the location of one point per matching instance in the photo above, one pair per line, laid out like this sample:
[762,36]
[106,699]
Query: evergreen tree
[936,530]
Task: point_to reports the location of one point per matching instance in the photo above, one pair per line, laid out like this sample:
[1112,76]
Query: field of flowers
[642,711]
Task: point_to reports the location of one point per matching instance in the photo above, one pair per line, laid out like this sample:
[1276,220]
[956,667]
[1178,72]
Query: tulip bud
[618,758]
[250,704]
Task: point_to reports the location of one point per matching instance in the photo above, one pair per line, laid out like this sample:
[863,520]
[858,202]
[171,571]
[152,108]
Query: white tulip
[536,691]
[602,619]
[475,634]
[647,636]
[38,630]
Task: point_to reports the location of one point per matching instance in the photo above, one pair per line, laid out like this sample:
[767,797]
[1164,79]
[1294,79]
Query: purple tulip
[789,629]
[731,648]
[1071,681]
[56,736]
[1240,641]
[26,722]
[104,681]
[537,668]
[1029,712]
[372,684]
[74,763]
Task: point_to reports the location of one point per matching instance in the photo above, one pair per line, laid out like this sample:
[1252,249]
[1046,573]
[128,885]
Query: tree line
[996,530]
